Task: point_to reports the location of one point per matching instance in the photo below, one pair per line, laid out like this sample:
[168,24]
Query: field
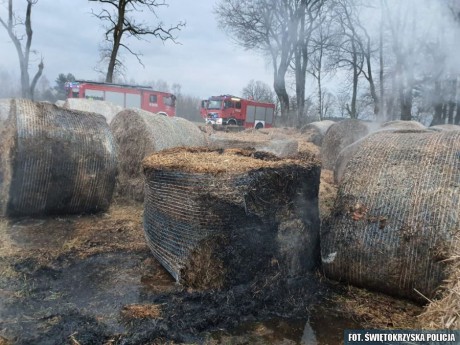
[91,279]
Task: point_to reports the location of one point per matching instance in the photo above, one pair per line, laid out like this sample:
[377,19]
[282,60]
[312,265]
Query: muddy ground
[92,280]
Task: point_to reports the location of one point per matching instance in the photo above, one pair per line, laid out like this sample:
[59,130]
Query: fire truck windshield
[214,105]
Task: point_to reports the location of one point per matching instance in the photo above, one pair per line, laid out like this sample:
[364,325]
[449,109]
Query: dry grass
[141,311]
[220,161]
[327,193]
[375,310]
[444,312]
[45,240]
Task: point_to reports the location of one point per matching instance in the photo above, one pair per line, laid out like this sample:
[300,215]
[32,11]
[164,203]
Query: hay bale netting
[139,133]
[339,136]
[400,124]
[316,130]
[217,218]
[106,109]
[262,142]
[347,153]
[59,103]
[396,213]
[54,160]
[445,127]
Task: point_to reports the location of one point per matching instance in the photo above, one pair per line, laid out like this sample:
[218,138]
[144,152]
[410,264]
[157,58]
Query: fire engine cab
[230,110]
[127,96]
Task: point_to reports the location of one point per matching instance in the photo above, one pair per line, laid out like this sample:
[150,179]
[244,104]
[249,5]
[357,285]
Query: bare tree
[10,24]
[348,53]
[306,13]
[121,25]
[258,91]
[321,42]
[264,25]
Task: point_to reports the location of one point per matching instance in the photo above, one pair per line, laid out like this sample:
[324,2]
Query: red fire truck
[230,110]
[127,96]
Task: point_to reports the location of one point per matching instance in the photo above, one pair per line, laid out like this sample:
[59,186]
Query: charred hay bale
[106,109]
[445,127]
[139,133]
[400,124]
[279,147]
[54,160]
[339,136]
[216,218]
[316,130]
[396,213]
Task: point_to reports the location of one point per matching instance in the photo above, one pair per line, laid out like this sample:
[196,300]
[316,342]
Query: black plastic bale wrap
[212,228]
[397,213]
[54,160]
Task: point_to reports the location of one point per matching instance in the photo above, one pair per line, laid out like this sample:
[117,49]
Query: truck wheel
[231,122]
[259,126]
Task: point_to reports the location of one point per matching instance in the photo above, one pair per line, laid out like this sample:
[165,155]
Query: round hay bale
[399,124]
[217,218]
[342,160]
[260,142]
[315,131]
[347,153]
[106,109]
[54,160]
[396,213]
[445,127]
[139,133]
[339,136]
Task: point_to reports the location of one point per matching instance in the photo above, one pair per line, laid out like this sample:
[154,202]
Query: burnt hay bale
[216,218]
[396,213]
[139,133]
[54,160]
[339,136]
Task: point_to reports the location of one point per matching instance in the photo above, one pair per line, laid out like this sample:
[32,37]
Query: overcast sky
[205,63]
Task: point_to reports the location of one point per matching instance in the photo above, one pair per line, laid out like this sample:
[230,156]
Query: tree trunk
[280,89]
[383,111]
[117,34]
[437,117]
[353,113]
[452,104]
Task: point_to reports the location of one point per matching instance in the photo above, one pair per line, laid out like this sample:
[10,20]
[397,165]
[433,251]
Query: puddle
[322,328]
[327,331]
